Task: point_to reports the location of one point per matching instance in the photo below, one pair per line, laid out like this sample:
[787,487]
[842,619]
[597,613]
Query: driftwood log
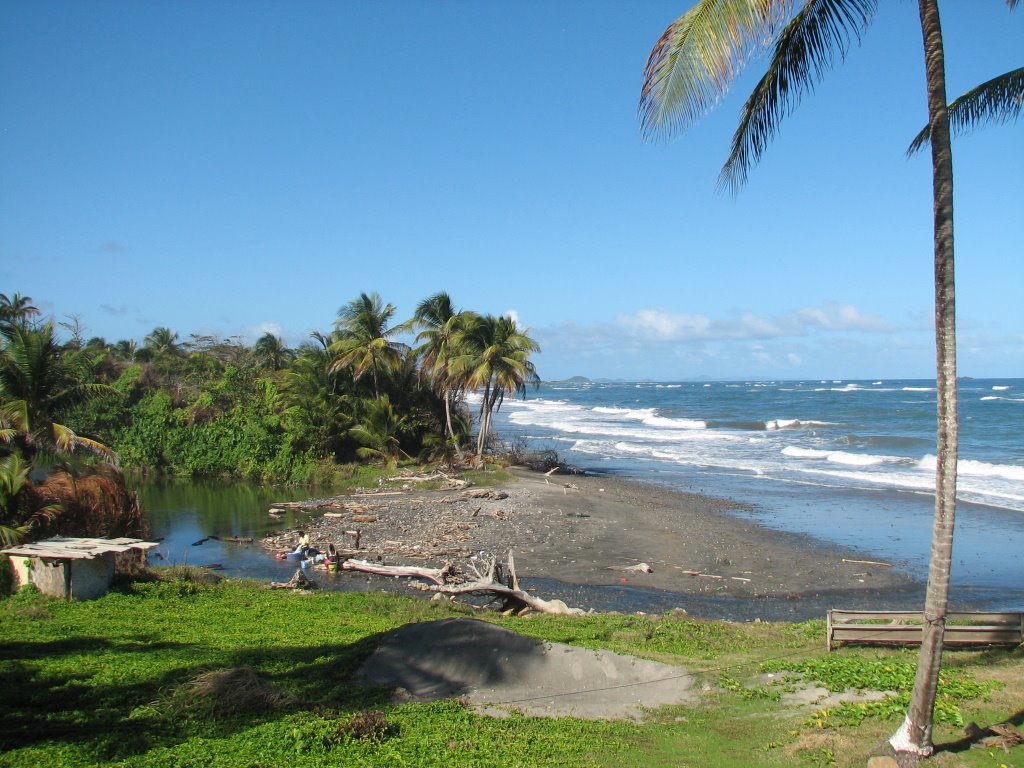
[516,599]
[436,575]
[299,581]
[491,579]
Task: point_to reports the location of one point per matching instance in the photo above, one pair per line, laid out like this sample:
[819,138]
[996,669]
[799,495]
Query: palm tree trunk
[915,735]
[490,398]
[448,421]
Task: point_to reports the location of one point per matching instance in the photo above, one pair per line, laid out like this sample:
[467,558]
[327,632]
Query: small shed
[72,568]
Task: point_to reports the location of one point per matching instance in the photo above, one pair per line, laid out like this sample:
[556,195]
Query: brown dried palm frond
[97,504]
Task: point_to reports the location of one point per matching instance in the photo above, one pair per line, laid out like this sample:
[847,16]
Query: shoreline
[579,533]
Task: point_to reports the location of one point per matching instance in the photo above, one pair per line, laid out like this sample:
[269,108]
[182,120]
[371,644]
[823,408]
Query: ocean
[848,462]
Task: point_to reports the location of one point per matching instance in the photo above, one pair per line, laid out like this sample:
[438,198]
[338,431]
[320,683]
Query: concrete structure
[72,568]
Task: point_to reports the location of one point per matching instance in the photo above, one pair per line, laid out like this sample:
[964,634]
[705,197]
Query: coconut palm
[998,100]
[125,349]
[40,382]
[272,352]
[14,472]
[316,414]
[16,309]
[379,432]
[440,324]
[493,357]
[365,342]
[162,343]
[690,68]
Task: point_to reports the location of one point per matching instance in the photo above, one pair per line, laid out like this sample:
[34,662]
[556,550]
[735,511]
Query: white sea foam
[838,457]
[1000,388]
[733,438]
[664,421]
[971,468]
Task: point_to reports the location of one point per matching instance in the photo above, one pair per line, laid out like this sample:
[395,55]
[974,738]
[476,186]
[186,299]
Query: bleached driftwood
[436,575]
[489,581]
[450,483]
[638,568]
[299,581]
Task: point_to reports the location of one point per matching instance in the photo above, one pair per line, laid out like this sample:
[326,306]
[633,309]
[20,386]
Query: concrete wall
[74,579]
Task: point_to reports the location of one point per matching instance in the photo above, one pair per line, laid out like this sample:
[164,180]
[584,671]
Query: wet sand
[590,531]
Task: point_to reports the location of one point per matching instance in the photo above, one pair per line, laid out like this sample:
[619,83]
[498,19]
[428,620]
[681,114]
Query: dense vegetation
[208,407]
[180,672]
[212,407]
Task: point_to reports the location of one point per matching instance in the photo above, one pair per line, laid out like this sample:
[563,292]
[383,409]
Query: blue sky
[239,166]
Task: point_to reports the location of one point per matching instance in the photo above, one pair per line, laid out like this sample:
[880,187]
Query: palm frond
[999,100]
[14,415]
[808,46]
[10,536]
[697,57]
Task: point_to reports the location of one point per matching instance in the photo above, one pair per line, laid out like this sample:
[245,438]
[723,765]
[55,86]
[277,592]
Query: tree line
[212,407]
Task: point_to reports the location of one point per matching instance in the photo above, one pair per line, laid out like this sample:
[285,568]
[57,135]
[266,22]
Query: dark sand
[585,530]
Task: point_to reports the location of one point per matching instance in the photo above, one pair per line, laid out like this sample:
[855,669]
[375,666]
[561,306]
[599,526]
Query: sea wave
[795,424]
[838,457]
[973,468]
[664,421]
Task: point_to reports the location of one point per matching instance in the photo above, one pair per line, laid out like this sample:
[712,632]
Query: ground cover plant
[177,671]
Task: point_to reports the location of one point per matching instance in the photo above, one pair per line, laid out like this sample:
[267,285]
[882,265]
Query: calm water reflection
[181,514]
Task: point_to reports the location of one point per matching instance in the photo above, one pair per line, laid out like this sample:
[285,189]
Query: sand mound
[498,670]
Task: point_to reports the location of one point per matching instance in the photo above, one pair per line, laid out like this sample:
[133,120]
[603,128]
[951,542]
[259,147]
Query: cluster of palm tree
[691,67]
[41,382]
[358,392]
[455,352]
[371,388]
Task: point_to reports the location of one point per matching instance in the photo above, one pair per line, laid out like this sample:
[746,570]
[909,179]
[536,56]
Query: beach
[594,532]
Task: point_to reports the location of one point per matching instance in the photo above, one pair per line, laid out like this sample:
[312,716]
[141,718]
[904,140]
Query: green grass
[120,682]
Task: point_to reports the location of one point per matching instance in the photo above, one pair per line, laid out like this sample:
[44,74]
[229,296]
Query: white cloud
[253,332]
[663,325]
[667,326]
[841,317]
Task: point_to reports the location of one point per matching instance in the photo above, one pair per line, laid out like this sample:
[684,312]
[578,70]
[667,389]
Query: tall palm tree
[365,341]
[690,68]
[125,349]
[440,324]
[272,352]
[40,382]
[162,343]
[16,309]
[493,357]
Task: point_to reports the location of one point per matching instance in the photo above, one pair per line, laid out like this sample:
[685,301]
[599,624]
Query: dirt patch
[498,671]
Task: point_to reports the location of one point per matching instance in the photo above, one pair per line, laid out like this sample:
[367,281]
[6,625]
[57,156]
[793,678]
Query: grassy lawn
[179,673]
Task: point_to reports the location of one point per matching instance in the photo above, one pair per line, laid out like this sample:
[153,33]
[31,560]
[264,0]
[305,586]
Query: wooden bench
[905,628]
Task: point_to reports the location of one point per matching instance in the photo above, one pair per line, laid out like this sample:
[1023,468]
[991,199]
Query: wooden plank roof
[61,547]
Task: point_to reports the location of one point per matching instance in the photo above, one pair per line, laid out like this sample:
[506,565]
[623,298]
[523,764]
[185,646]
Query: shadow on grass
[964,744]
[117,720]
